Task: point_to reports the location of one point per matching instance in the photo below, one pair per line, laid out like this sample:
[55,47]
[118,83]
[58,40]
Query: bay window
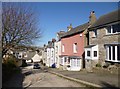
[113,53]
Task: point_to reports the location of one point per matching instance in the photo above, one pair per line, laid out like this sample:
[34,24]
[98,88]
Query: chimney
[44,45]
[53,40]
[49,42]
[92,17]
[69,27]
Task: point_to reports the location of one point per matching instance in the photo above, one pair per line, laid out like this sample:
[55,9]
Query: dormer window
[113,29]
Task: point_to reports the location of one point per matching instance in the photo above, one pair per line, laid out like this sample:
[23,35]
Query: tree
[19,26]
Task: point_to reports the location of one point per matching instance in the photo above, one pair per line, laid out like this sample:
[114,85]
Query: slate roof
[106,19]
[75,30]
[50,45]
[30,55]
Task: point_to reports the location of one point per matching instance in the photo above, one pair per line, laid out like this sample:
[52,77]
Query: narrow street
[50,80]
[41,78]
[30,77]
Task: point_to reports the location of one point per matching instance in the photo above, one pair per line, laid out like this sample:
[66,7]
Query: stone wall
[101,39]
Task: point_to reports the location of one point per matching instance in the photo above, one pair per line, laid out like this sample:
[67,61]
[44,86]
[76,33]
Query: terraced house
[57,47]
[50,53]
[104,43]
[72,43]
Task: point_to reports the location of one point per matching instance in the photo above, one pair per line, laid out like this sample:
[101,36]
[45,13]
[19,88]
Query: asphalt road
[50,80]
[41,78]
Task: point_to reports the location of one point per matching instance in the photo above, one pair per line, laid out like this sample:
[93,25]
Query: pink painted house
[72,47]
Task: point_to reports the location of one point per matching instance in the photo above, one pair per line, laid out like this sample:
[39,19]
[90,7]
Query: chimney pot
[69,27]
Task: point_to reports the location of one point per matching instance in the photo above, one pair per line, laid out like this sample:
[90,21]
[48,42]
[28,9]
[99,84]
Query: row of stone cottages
[87,45]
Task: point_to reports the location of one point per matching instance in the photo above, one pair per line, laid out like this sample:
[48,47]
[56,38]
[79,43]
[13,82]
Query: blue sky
[56,16]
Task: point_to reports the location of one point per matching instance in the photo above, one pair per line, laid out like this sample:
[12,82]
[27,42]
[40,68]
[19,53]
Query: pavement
[93,79]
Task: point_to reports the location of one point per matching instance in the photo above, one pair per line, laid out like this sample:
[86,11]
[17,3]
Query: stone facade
[101,39]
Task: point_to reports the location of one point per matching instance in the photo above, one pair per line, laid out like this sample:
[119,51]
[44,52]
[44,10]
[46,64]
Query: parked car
[36,66]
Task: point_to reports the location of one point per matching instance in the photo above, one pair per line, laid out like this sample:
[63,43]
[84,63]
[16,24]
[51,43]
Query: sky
[56,16]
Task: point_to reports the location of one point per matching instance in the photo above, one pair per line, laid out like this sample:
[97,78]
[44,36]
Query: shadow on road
[109,86]
[15,81]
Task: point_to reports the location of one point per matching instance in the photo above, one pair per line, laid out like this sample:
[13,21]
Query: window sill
[112,34]
[112,61]
[94,37]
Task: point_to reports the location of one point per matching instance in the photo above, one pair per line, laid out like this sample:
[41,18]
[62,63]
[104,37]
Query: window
[118,52]
[78,62]
[52,53]
[63,48]
[109,52]
[68,60]
[88,53]
[75,47]
[95,53]
[56,49]
[61,61]
[116,28]
[113,53]
[75,63]
[95,33]
[113,29]
[65,60]
[109,29]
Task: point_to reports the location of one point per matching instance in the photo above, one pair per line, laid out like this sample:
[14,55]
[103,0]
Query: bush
[8,67]
[98,65]
[24,64]
[10,61]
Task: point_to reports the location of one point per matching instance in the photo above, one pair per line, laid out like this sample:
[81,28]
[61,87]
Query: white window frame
[75,48]
[56,49]
[52,53]
[63,48]
[87,53]
[111,30]
[107,53]
[94,54]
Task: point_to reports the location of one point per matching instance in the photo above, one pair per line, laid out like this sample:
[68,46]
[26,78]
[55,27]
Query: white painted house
[50,53]
[36,57]
[57,53]
[91,55]
[57,47]
[44,54]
